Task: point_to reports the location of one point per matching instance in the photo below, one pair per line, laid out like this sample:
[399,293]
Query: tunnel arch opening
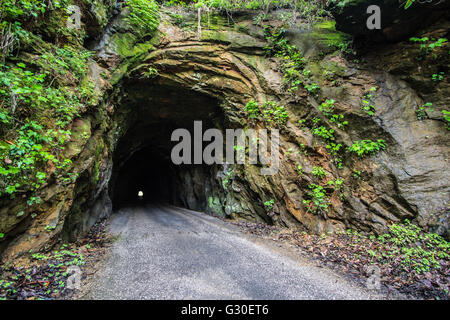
[142,162]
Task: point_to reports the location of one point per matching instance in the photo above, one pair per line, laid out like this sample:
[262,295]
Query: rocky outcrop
[150,86]
[396,21]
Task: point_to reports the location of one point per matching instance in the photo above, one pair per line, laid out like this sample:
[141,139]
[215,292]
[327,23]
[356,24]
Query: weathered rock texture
[396,21]
[211,78]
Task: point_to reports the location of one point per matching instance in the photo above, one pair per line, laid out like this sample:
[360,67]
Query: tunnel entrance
[143,171]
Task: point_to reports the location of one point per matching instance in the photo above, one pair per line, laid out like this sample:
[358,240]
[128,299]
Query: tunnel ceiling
[151,111]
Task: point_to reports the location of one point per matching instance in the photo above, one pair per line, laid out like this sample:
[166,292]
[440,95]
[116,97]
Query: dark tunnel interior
[144,178]
[142,161]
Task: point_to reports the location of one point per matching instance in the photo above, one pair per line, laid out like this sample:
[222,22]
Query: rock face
[152,86]
[396,21]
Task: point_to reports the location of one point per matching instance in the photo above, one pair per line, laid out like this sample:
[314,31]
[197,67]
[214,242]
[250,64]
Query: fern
[144,16]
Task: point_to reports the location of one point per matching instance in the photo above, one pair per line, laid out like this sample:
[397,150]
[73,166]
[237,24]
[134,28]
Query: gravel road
[165,252]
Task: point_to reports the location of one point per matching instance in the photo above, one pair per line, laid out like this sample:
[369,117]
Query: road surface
[165,252]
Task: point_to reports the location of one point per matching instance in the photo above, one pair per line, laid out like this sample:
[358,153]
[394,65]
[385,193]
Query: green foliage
[407,3]
[446,115]
[151,73]
[319,201]
[323,132]
[270,112]
[39,98]
[418,40]
[17,9]
[367,147]
[437,76]
[356,174]
[50,228]
[438,43]
[312,88]
[268,205]
[319,172]
[327,109]
[34,146]
[334,148]
[144,16]
[367,103]
[337,183]
[243,4]
[14,14]
[312,10]
[421,112]
[299,169]
[179,20]
[292,60]
[419,250]
[252,109]
[226,180]
[22,159]
[427,47]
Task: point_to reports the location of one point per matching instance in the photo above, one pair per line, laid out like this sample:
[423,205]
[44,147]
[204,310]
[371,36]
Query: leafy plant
[407,3]
[421,111]
[327,109]
[299,169]
[367,102]
[438,76]
[447,118]
[312,88]
[144,16]
[273,112]
[292,60]
[420,251]
[270,112]
[319,201]
[268,205]
[151,73]
[252,109]
[427,48]
[337,183]
[367,147]
[323,132]
[319,172]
